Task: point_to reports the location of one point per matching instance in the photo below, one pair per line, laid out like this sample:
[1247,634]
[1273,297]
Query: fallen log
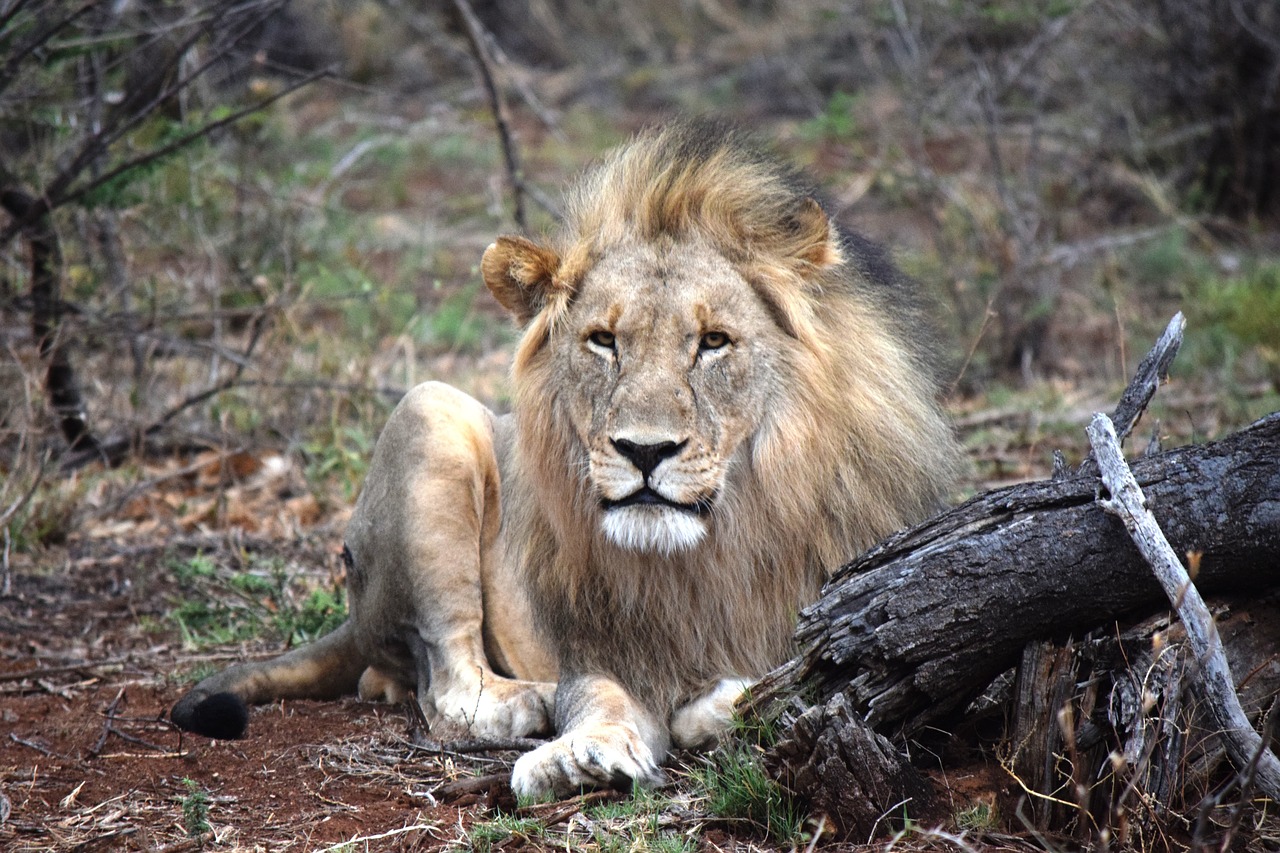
[912,631]
[1034,596]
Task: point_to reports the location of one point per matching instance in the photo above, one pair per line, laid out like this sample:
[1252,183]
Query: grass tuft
[737,788]
[195,809]
[223,605]
[504,830]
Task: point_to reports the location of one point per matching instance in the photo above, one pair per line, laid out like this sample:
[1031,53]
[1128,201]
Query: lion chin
[660,529]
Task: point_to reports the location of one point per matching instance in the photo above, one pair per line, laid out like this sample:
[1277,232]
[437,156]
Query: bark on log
[1111,727]
[849,775]
[913,630]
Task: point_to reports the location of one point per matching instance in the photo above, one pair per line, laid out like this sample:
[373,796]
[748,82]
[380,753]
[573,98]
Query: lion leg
[700,723]
[608,740]
[325,669]
[424,533]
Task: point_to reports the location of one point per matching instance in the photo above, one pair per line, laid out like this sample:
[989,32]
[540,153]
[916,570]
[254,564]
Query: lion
[718,399]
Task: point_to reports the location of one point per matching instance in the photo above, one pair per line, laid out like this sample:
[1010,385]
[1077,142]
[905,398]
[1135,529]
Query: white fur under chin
[653,529]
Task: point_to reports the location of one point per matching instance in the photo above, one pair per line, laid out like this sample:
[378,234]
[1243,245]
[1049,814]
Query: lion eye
[602,338]
[713,340]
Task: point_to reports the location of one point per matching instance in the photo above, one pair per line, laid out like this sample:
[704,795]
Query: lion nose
[646,457]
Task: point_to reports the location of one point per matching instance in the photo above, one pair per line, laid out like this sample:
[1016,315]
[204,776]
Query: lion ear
[521,275]
[812,239]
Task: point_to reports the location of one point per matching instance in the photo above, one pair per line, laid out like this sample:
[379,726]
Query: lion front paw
[699,724]
[610,755]
[495,707]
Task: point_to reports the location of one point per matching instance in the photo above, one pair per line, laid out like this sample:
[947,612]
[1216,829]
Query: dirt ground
[92,657]
[88,760]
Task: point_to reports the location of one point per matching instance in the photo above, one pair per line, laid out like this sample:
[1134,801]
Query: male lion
[718,399]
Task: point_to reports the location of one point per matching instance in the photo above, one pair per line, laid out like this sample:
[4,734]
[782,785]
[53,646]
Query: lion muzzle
[649,517]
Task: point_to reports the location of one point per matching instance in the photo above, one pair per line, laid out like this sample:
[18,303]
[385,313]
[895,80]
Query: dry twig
[476,36]
[1153,370]
[96,749]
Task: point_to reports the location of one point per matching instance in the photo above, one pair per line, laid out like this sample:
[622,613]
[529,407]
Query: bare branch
[112,452]
[186,139]
[22,500]
[9,13]
[46,319]
[476,36]
[59,190]
[1151,372]
[9,72]
[1127,502]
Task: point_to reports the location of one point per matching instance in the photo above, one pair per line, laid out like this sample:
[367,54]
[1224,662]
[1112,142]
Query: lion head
[714,387]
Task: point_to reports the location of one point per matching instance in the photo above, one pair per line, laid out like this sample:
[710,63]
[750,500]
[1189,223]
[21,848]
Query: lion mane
[856,448]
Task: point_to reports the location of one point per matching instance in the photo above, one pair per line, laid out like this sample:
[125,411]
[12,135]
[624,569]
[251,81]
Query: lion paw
[611,755]
[699,724]
[496,707]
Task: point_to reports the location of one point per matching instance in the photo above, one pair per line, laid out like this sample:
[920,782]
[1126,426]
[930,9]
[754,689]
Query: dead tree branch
[908,635]
[1127,502]
[1151,372]
[476,36]
[915,628]
[112,452]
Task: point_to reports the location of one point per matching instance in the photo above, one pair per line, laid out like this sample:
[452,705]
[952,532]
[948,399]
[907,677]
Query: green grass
[642,822]
[978,817]
[1237,315]
[339,455]
[223,605]
[736,788]
[456,325]
[838,121]
[195,809]
[502,829]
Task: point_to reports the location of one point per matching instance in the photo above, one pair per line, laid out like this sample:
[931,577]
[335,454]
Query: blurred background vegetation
[233,233]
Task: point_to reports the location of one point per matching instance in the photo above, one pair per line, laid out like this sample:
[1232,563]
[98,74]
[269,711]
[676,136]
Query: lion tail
[217,707]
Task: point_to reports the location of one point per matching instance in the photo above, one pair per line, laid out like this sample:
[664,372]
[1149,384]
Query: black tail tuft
[222,716]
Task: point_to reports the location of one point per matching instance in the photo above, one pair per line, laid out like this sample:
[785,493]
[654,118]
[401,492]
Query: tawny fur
[856,447]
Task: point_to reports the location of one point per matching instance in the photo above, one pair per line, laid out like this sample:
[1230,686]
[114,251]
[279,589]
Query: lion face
[664,356]
[705,373]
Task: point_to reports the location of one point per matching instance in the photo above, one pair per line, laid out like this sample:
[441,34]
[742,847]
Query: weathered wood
[1248,753]
[911,631]
[1129,742]
[1146,380]
[1046,700]
[847,773]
